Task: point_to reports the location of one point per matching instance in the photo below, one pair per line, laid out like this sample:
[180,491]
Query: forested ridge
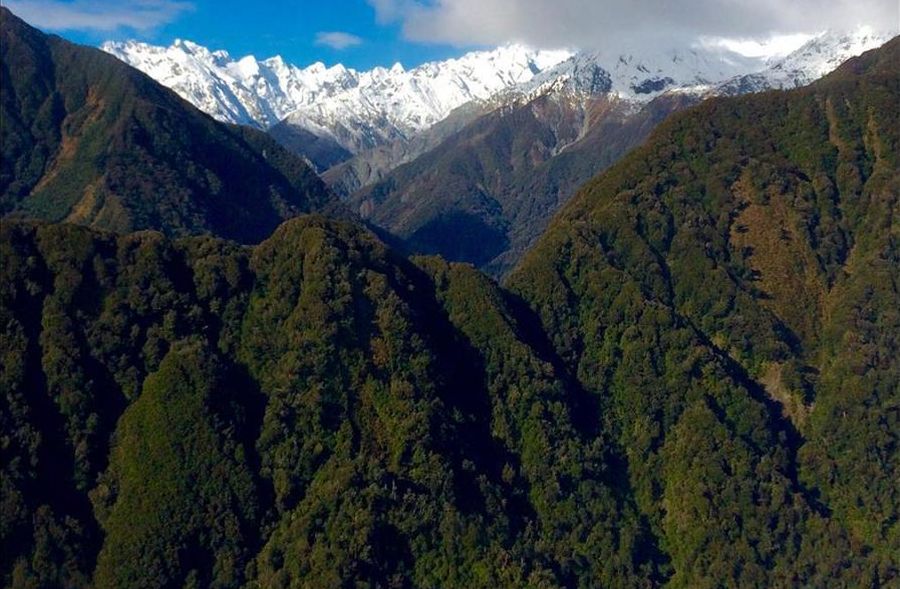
[314,412]
[693,380]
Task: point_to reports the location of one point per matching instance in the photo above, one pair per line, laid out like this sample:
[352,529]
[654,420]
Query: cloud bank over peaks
[757,27]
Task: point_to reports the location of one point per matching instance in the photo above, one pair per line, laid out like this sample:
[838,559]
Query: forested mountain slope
[89,140]
[691,381]
[312,412]
[761,232]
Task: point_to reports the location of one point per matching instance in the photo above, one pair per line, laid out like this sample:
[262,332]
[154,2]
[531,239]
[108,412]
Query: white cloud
[337,39]
[605,23]
[772,46]
[98,15]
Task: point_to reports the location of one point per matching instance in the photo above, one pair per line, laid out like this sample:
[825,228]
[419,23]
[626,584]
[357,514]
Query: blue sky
[295,29]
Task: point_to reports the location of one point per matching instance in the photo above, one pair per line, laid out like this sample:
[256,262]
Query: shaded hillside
[89,140]
[487,191]
[761,230]
[370,166]
[322,152]
[537,195]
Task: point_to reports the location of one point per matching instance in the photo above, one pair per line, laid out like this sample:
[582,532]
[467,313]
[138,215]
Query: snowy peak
[358,109]
[637,76]
[817,57]
[824,53]
[245,91]
[646,75]
[640,75]
[681,69]
[390,104]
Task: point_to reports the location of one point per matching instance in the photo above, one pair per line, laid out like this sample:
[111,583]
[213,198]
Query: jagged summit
[246,91]
[358,109]
[387,105]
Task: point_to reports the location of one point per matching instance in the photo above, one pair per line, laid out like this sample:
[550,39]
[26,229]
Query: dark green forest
[692,381]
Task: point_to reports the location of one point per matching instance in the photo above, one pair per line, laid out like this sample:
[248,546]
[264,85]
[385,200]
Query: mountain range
[484,193]
[363,109]
[476,175]
[691,379]
[356,110]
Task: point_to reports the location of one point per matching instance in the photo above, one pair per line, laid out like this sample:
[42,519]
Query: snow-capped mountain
[814,59]
[244,91]
[639,76]
[387,105]
[354,111]
[358,109]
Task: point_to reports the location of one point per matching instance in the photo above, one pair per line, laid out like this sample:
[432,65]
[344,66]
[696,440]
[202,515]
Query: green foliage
[178,501]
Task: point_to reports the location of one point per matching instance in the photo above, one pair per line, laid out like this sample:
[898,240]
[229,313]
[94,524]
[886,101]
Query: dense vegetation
[757,238]
[314,412]
[89,140]
[692,381]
